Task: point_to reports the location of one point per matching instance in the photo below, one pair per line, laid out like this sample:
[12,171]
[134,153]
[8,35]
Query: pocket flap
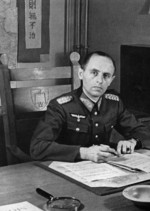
[78,127]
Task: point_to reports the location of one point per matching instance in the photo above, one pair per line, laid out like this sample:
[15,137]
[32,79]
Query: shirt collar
[89,104]
[92,99]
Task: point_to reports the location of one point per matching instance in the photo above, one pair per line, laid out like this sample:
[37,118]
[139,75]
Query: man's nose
[100,78]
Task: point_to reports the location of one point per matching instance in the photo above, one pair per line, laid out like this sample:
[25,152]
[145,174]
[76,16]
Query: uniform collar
[89,104]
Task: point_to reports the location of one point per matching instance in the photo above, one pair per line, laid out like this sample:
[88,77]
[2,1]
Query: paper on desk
[98,174]
[133,161]
[91,171]
[21,206]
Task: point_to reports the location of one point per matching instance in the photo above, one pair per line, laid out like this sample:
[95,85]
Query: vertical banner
[33,22]
[33,30]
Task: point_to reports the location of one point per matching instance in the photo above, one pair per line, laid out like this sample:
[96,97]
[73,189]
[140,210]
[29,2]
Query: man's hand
[126,147]
[97,153]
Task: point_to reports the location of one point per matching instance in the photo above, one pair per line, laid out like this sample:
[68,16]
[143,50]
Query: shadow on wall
[62,59]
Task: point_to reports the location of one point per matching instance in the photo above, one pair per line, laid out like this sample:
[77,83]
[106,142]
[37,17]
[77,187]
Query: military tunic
[72,121]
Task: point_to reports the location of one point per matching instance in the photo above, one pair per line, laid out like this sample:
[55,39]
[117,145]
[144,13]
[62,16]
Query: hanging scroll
[33,30]
[33,24]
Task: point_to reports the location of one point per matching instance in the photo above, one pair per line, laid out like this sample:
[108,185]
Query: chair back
[25,94]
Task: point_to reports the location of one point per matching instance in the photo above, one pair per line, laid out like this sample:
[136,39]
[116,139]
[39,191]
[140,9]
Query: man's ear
[113,77]
[80,73]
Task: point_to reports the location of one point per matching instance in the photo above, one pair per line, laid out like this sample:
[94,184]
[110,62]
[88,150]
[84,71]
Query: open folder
[103,178]
[115,172]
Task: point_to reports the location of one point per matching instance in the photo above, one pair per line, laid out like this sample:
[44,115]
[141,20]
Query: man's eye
[106,75]
[95,73]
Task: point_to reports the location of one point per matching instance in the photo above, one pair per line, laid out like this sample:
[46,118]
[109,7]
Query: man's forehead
[98,62]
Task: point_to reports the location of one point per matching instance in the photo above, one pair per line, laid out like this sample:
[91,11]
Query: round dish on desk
[139,194]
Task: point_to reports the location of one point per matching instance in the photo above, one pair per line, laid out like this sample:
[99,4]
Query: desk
[18,183]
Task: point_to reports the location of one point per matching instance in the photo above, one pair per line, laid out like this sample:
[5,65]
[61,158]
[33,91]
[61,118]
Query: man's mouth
[97,88]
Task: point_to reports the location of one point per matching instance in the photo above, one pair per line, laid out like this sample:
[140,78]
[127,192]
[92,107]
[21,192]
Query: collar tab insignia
[112,97]
[88,103]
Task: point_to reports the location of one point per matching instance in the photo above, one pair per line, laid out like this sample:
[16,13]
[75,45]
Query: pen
[111,150]
[115,153]
[134,170]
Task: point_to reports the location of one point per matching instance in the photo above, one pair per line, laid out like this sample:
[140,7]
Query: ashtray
[139,194]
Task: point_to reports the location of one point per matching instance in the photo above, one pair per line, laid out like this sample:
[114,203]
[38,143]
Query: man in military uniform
[77,125]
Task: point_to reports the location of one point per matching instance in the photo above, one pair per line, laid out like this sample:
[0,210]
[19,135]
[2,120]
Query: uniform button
[77,129]
[95,113]
[96,136]
[96,124]
[112,126]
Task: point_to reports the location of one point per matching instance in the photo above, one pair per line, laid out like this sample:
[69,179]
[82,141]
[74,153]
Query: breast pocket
[79,127]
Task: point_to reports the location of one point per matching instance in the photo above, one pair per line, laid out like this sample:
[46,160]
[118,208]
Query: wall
[9,28]
[57,22]
[116,22]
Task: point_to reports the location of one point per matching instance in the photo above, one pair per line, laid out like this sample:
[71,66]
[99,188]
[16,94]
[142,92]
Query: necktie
[95,108]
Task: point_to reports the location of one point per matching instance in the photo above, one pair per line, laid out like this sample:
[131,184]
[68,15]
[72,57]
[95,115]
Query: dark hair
[99,53]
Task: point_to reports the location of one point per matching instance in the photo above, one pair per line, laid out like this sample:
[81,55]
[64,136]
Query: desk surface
[18,183]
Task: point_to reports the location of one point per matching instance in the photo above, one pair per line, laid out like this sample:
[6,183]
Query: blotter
[21,206]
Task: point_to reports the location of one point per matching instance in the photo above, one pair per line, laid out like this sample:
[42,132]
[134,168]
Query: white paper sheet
[94,180]
[21,206]
[90,171]
[134,161]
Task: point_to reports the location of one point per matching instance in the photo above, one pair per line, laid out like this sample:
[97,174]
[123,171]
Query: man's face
[97,76]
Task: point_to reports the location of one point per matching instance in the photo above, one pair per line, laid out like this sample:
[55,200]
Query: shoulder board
[64,99]
[112,97]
